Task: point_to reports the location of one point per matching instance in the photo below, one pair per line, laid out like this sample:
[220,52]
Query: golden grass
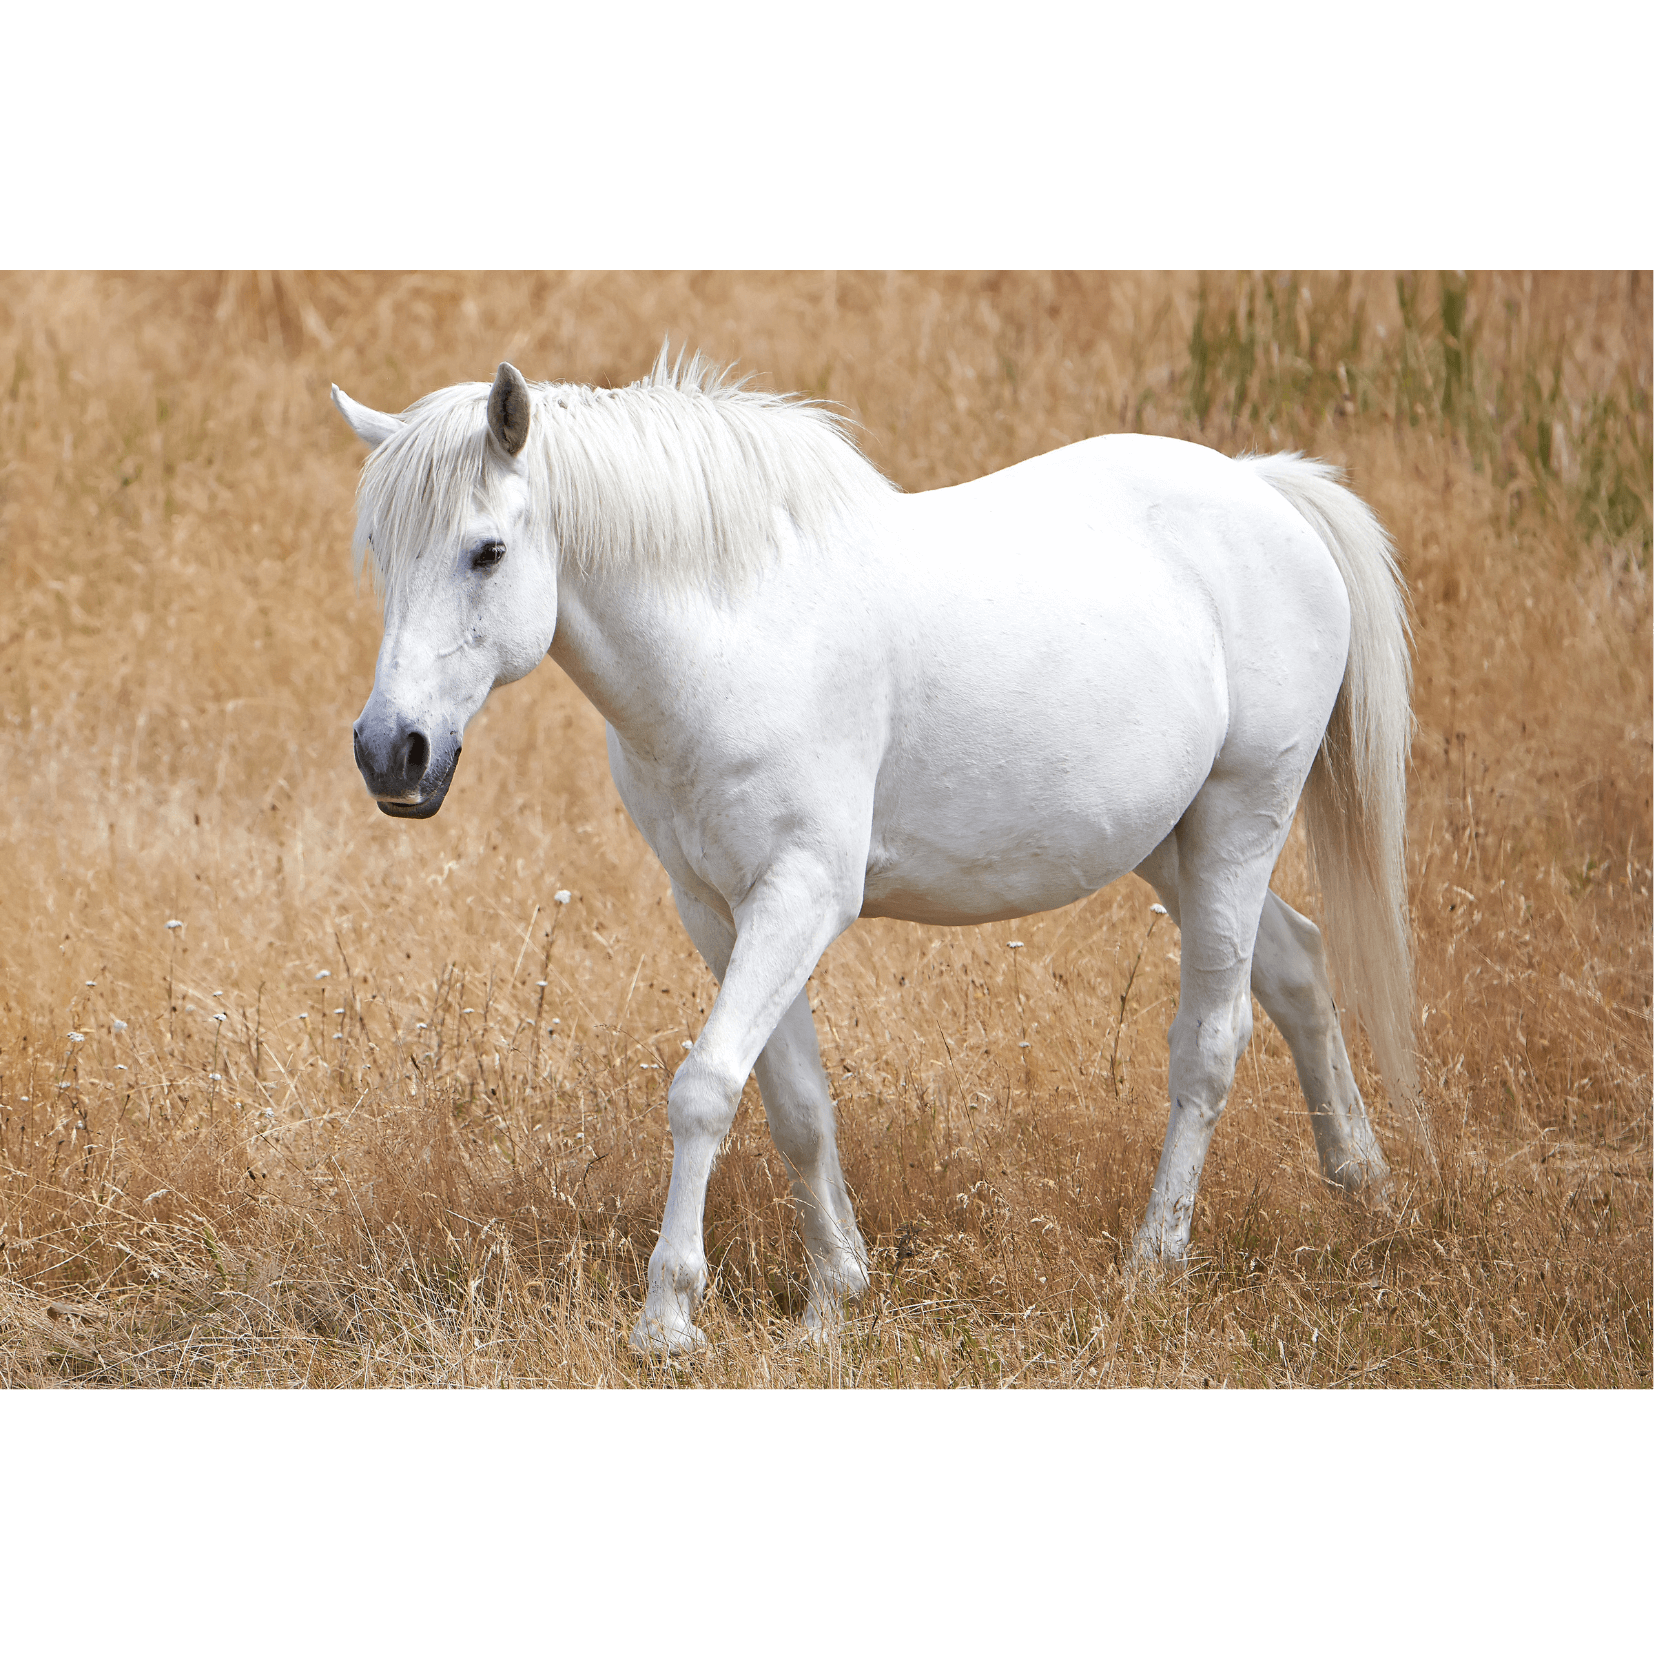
[394,1174]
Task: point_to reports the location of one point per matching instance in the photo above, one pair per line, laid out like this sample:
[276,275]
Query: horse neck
[643,651]
[618,641]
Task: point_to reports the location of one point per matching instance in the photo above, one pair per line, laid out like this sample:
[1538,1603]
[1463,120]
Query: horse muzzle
[406,773]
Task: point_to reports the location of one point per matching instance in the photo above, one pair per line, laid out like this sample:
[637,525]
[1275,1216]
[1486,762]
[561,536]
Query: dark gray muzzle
[405,772]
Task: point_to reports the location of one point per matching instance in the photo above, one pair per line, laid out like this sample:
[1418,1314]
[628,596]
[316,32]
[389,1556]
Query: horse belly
[1035,773]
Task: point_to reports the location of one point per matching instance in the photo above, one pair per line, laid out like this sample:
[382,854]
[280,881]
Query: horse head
[467,571]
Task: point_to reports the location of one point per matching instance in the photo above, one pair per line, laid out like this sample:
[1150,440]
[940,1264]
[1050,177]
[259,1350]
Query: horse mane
[679,476]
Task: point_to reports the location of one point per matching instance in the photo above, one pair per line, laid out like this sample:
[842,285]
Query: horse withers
[826,698]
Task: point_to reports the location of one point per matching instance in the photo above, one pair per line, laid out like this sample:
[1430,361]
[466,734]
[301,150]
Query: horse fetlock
[677,1283]
[676,1272]
[832,1286]
[1158,1246]
[839,1273]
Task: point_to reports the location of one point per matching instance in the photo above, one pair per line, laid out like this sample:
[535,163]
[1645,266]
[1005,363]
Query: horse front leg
[781,930]
[800,1111]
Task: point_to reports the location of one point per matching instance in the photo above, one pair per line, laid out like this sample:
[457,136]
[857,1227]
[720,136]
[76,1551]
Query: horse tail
[1355,801]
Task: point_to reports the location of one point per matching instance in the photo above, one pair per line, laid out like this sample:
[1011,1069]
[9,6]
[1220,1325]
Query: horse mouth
[428,802]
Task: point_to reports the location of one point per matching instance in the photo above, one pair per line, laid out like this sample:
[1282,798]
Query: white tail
[1355,800]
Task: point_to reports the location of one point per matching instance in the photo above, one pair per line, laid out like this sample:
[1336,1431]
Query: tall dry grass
[378,1110]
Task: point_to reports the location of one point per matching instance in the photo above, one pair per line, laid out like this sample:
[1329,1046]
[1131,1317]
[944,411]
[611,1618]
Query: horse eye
[486,556]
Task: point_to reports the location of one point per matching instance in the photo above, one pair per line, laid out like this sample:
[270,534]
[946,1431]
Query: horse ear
[508,409]
[370,426]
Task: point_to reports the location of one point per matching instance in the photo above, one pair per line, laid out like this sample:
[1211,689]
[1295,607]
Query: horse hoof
[655,1336]
[1365,1181]
[823,1320]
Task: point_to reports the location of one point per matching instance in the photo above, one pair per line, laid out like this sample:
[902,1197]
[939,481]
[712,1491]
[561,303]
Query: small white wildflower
[1022,1045]
[561,898]
[469,1011]
[689,1045]
[418,1026]
[219,1017]
[63,1085]
[1155,907]
[269,1114]
[320,974]
[556,1021]
[78,1039]
[338,1036]
[1013,944]
[218,993]
[117,1025]
[541,983]
[215,1076]
[340,1011]
[91,984]
[175,924]
[120,1067]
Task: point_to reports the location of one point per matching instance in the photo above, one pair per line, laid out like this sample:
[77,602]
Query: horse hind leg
[1212,873]
[1289,976]
[800,1112]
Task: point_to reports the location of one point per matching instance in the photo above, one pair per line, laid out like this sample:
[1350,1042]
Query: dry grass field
[295,1094]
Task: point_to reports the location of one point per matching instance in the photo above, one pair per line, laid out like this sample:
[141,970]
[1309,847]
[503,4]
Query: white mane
[679,476]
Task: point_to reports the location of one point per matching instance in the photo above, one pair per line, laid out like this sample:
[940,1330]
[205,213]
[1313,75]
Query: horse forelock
[679,477]
[419,485]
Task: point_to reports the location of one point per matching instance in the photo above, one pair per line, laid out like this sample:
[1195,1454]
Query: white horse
[827,698]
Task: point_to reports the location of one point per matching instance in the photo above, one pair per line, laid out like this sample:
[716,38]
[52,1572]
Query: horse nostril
[416,757]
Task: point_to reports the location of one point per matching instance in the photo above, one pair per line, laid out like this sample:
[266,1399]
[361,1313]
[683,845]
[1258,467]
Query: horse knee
[702,1100]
